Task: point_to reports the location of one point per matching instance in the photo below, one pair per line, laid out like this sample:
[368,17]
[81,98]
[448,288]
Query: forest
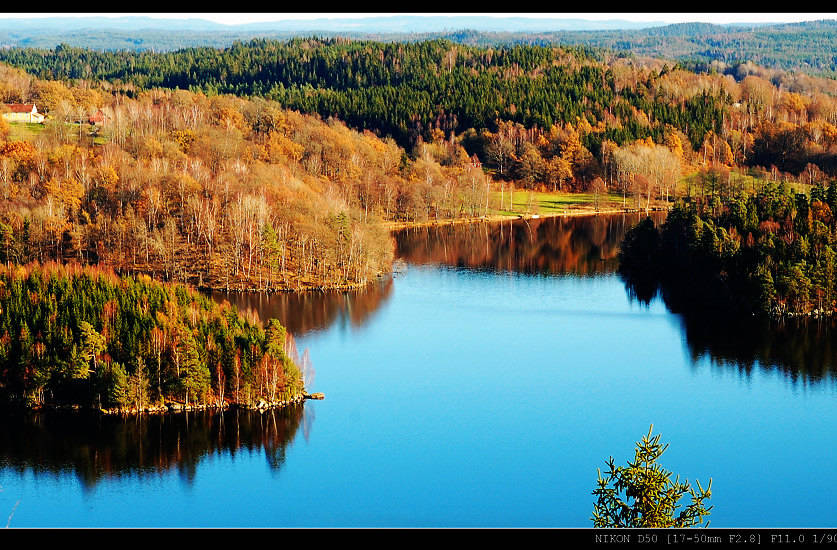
[770,252]
[538,114]
[84,336]
[276,167]
[404,90]
[221,192]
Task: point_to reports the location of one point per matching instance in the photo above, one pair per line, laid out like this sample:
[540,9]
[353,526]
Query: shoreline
[399,225]
[260,406]
[276,290]
[393,226]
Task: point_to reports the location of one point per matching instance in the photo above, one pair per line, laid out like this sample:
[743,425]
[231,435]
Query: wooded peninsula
[771,252]
[72,335]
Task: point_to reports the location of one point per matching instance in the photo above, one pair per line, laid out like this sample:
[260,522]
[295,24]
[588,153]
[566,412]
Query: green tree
[196,377]
[642,494]
[92,345]
[112,385]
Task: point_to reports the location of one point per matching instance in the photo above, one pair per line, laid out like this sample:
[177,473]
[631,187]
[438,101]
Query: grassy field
[537,202]
[741,179]
[24,130]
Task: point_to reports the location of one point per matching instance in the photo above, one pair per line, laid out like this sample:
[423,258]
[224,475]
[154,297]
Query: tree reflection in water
[804,350]
[586,245]
[96,447]
[306,312]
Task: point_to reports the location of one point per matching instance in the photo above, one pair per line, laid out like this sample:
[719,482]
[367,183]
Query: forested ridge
[404,90]
[806,46]
[518,108]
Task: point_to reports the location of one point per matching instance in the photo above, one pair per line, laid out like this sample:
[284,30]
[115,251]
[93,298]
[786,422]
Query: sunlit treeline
[539,114]
[221,192]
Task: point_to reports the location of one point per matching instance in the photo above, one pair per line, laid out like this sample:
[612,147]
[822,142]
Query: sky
[240,18]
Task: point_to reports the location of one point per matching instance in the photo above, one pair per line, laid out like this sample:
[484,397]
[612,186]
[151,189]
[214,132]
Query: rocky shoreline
[260,405]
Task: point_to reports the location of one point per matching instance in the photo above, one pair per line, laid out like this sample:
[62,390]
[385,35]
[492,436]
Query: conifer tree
[642,494]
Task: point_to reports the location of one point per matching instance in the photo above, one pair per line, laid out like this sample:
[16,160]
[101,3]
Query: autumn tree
[597,187]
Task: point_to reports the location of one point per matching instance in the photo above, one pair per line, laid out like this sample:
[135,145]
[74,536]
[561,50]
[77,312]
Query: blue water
[476,398]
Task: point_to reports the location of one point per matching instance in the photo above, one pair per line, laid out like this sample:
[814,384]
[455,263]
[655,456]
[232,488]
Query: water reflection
[803,350]
[305,312]
[578,245]
[94,447]
[585,245]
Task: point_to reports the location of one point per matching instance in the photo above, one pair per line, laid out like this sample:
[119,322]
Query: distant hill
[809,47]
[146,33]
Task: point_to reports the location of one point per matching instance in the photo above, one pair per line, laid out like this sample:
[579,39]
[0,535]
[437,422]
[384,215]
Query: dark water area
[803,350]
[481,385]
[95,447]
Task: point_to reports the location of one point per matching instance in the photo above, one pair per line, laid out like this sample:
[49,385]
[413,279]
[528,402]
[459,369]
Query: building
[99,118]
[22,112]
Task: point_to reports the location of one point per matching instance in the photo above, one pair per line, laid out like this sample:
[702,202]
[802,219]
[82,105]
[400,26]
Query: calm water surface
[482,385]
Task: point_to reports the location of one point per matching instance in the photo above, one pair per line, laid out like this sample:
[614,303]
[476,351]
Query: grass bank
[524,204]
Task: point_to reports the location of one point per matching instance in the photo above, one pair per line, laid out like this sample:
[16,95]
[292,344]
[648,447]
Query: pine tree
[195,376]
[642,494]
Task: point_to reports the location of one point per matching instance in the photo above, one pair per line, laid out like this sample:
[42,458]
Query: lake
[481,385]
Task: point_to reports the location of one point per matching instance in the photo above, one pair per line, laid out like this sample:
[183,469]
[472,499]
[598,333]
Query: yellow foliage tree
[183,139]
[724,152]
[278,148]
[107,178]
[673,142]
[49,93]
[20,151]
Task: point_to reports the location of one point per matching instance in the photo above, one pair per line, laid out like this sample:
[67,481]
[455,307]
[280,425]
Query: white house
[22,112]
